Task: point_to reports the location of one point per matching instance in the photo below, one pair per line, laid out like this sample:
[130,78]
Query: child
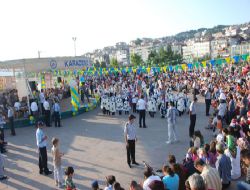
[56,154]
[69,185]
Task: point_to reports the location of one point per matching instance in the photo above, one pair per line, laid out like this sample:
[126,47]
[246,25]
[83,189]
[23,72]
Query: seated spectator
[170,179]
[110,181]
[149,177]
[179,169]
[245,185]
[210,175]
[117,186]
[189,164]
[223,165]
[95,185]
[135,186]
[156,185]
[195,182]
[212,153]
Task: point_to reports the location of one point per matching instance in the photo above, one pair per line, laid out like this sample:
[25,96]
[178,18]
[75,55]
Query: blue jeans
[241,185]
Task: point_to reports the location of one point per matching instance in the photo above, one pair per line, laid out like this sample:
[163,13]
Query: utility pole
[74,39]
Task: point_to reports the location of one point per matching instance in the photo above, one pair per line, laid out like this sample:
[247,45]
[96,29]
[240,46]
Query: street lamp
[74,39]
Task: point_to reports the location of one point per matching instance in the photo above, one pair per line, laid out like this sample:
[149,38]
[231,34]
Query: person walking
[192,113]
[11,120]
[46,107]
[208,97]
[41,141]
[57,112]
[142,111]
[171,117]
[130,139]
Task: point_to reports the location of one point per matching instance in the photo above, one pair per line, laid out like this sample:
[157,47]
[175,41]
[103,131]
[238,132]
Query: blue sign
[53,64]
[76,63]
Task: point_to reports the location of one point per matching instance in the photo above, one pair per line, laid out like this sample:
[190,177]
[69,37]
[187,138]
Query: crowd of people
[207,165]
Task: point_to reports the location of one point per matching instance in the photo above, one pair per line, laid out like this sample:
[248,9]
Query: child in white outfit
[56,154]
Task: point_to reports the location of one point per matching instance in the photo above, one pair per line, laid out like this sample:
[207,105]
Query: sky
[29,26]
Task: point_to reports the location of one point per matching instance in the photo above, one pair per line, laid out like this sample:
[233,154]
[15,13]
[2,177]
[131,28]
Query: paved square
[94,145]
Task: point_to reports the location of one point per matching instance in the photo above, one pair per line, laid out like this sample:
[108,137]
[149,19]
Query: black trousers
[131,151]
[134,107]
[57,119]
[47,118]
[208,103]
[142,114]
[192,125]
[12,129]
[43,160]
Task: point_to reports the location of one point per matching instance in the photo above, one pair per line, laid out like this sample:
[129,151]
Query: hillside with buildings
[201,44]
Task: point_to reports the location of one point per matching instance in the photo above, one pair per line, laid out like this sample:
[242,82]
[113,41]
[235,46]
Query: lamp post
[74,39]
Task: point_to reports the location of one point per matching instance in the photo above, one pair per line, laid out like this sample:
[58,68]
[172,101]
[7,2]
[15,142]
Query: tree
[138,41]
[114,62]
[136,60]
[97,63]
[103,64]
[163,57]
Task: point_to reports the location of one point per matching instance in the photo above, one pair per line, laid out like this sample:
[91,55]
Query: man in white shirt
[41,142]
[46,107]
[142,111]
[34,109]
[130,139]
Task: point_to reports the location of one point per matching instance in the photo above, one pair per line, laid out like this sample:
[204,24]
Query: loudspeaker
[59,79]
[32,85]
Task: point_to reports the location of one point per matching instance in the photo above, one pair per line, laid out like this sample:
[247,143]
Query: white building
[194,50]
[219,48]
[240,49]
[143,51]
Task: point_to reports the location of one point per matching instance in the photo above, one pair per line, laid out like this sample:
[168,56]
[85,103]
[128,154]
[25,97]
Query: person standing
[130,139]
[208,97]
[11,120]
[57,112]
[171,117]
[142,111]
[57,155]
[41,141]
[46,107]
[192,113]
[34,110]
[2,142]
[223,165]
[42,99]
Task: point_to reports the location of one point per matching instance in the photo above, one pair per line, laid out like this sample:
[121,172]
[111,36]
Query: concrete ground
[94,145]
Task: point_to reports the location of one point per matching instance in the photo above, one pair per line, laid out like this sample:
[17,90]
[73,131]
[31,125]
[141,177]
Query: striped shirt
[211,178]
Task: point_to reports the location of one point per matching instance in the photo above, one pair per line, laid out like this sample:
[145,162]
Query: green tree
[138,41]
[103,64]
[114,62]
[136,60]
[97,63]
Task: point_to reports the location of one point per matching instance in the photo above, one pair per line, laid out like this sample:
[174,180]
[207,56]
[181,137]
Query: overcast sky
[29,26]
